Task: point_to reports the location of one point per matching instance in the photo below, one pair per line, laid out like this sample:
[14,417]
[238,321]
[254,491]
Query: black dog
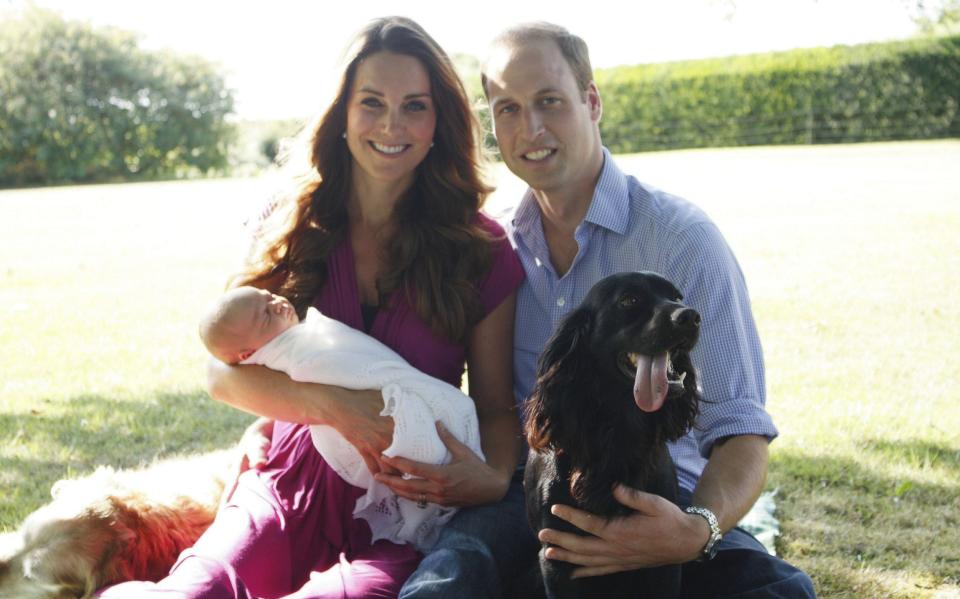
[614,385]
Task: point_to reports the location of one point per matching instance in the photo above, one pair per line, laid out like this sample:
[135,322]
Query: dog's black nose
[686,317]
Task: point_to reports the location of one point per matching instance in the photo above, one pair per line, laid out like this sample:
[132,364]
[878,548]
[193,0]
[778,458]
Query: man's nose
[532,124]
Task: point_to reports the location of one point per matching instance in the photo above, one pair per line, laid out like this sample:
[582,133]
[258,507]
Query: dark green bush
[872,92]
[82,104]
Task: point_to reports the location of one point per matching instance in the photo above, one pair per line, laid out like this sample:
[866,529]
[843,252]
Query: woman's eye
[371,102]
[416,106]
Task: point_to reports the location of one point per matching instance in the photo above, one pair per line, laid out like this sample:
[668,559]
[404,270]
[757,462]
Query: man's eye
[627,301]
[507,109]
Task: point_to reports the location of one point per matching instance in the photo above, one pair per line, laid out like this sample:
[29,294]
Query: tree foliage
[84,104]
[938,16]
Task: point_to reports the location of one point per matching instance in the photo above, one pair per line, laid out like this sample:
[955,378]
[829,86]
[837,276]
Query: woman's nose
[392,121]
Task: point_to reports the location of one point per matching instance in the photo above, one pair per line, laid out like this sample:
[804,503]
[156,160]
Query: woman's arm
[490,374]
[468,480]
[273,394]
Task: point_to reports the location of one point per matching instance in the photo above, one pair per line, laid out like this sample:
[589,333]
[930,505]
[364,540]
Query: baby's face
[262,316]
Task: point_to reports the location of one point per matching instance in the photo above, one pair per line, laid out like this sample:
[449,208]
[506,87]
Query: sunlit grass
[852,255]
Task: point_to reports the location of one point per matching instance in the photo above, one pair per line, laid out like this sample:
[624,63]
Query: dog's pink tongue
[650,386]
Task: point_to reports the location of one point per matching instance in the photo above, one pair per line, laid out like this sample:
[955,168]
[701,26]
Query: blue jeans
[479,552]
[742,569]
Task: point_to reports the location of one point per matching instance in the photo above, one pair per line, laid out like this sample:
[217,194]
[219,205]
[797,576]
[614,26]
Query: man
[583,219]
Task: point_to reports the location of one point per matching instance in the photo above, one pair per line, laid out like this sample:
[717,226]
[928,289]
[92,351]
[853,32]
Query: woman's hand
[273,394]
[466,480]
[356,416]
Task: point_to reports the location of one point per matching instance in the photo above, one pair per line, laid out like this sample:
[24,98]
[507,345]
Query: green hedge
[872,92]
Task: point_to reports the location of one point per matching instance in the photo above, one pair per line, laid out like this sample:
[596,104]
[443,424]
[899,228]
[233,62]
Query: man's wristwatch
[710,549]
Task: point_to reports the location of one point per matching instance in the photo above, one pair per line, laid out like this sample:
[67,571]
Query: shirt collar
[527,214]
[609,207]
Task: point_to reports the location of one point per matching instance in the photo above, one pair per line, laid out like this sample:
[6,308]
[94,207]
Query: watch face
[712,545]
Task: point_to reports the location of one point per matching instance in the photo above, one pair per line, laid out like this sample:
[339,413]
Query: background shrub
[871,92]
[81,104]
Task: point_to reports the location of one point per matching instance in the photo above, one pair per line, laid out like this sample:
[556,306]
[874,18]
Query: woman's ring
[422,501]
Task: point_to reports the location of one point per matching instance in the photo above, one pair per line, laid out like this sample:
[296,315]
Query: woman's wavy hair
[439,250]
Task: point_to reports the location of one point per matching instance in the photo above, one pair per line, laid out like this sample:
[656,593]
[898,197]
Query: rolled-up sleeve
[728,356]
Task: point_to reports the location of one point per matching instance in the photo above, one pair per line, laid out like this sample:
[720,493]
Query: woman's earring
[431,144]
[344,135]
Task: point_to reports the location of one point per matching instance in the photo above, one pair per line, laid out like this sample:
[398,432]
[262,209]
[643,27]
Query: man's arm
[732,479]
[659,532]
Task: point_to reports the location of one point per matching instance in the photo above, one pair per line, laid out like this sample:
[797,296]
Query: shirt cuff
[741,417]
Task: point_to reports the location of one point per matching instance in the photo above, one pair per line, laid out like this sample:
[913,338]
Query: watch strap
[710,549]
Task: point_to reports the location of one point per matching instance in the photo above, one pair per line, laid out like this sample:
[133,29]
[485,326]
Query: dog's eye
[627,301]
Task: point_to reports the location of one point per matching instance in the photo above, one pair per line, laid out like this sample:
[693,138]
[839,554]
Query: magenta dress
[288,530]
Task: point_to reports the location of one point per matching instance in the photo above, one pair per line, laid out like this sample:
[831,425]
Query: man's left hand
[658,533]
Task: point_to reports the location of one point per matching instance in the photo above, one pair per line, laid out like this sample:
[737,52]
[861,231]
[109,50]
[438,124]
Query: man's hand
[658,533]
[466,480]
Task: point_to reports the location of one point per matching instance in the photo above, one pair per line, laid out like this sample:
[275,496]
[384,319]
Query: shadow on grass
[857,527]
[920,453]
[65,439]
[847,473]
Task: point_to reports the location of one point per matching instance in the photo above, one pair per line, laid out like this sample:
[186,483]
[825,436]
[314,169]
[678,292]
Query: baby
[244,320]
[253,326]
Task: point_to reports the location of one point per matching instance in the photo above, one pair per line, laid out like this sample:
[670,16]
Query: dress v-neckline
[357,301]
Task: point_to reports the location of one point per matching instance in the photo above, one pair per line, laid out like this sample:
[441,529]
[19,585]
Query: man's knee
[799,585]
[745,573]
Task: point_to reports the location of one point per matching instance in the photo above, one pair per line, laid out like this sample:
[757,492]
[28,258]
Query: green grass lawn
[852,254]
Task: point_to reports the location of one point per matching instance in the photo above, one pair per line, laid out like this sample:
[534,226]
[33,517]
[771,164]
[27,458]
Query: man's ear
[594,102]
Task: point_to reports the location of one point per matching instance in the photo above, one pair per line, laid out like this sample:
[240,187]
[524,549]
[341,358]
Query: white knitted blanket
[324,350]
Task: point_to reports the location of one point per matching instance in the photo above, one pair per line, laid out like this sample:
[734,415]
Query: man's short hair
[572,47]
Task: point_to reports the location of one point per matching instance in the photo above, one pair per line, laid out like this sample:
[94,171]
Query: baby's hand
[255,443]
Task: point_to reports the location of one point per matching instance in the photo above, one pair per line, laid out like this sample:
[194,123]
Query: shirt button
[561,301]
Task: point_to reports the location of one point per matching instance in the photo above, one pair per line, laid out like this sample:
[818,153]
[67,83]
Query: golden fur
[112,526]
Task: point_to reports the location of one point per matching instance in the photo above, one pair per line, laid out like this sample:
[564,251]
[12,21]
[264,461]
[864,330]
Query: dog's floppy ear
[563,373]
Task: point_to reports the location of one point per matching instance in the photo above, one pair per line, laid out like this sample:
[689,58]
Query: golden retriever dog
[112,526]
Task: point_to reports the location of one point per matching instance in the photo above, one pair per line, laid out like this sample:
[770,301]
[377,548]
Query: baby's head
[244,320]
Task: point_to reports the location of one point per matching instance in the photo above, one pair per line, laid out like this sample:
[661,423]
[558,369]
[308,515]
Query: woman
[384,235]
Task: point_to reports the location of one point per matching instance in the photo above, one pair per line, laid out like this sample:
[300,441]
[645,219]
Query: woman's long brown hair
[439,250]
